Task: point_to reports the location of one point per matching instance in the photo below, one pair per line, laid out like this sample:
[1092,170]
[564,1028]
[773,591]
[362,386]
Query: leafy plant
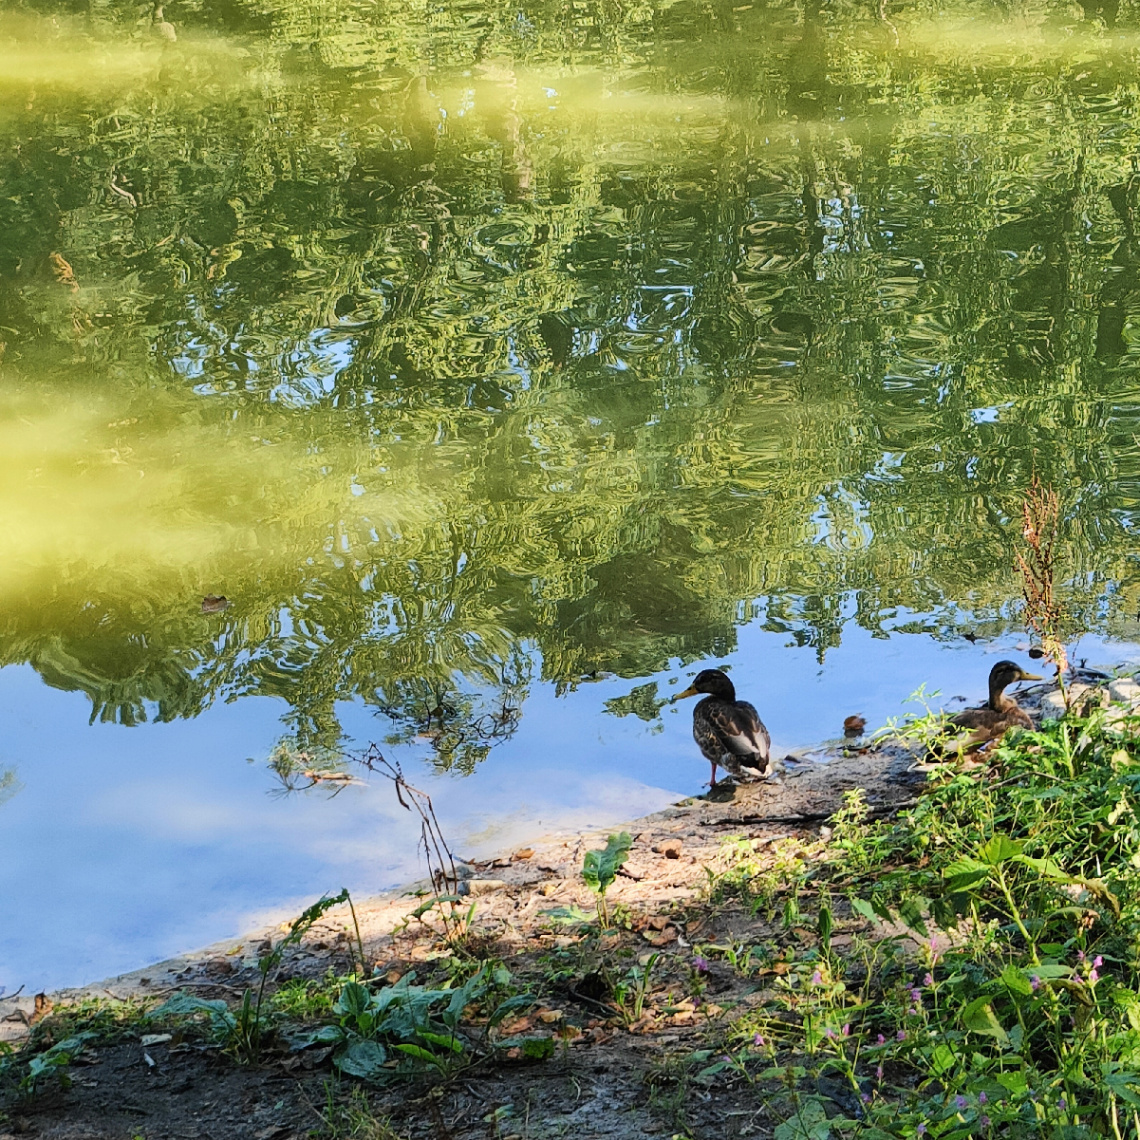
[600,868]
[242,1031]
[404,1027]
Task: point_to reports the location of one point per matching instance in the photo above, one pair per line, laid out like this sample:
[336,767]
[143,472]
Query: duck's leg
[712,782]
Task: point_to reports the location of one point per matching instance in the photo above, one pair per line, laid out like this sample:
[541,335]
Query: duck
[1000,713]
[729,732]
[163,28]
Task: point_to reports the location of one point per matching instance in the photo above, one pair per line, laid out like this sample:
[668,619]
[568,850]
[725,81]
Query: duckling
[1000,713]
[729,732]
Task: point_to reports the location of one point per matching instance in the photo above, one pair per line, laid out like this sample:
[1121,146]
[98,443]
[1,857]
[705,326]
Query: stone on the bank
[482,886]
[1125,691]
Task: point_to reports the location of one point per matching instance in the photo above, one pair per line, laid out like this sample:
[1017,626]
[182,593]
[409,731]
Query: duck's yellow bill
[689,692]
[1031,677]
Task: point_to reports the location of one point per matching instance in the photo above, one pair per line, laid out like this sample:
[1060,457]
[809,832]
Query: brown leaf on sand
[63,272]
[215,603]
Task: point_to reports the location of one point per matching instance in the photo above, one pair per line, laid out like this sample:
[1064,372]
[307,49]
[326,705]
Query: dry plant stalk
[1044,615]
[440,860]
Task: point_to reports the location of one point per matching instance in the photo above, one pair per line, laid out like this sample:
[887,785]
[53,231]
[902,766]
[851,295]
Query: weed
[63,1035]
[630,991]
[1010,1005]
[242,1031]
[1044,615]
[352,1118]
[445,899]
[405,1028]
[600,868]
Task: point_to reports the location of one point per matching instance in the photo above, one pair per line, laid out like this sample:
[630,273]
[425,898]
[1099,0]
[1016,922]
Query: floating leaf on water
[853,726]
[215,603]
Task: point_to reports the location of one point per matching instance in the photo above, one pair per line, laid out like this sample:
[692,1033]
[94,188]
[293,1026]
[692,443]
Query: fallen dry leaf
[550,1016]
[215,603]
[63,272]
[525,853]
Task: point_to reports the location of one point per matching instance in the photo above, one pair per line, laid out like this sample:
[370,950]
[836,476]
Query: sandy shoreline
[513,887]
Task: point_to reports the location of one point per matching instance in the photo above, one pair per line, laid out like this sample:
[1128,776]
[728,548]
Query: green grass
[993,985]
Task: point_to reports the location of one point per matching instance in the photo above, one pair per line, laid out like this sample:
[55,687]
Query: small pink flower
[758,1039]
[982,1098]
[701,965]
[847,1030]
[878,1072]
[817,979]
[920,1130]
[984,1120]
[928,980]
[1034,983]
[1080,955]
[829,1034]
[1093,976]
[901,1035]
[882,1040]
[915,995]
[1098,961]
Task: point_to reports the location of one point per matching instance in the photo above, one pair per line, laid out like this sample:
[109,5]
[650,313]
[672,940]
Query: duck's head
[713,682]
[1006,673]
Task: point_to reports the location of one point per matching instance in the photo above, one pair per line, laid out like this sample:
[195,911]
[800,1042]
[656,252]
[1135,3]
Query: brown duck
[999,714]
[729,732]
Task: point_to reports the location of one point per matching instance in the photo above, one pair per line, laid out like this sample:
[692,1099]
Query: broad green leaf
[533,1048]
[942,1060]
[910,911]
[420,1053]
[864,909]
[354,999]
[999,849]
[1016,980]
[599,868]
[520,1001]
[443,1041]
[810,1123]
[979,1017]
[364,1059]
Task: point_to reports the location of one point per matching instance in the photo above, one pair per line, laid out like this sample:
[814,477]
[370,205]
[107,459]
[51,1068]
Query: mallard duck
[729,732]
[991,720]
[163,28]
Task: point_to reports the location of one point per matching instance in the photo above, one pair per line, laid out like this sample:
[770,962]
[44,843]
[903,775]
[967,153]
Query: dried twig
[1044,615]
[440,860]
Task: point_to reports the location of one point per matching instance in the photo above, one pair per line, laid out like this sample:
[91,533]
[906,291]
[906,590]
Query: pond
[499,364]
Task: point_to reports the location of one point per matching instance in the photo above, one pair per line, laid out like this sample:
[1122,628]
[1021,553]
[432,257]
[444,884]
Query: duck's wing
[741,732]
[977,718]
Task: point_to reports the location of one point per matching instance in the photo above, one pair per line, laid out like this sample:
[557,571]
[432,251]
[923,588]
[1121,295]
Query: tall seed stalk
[1036,563]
